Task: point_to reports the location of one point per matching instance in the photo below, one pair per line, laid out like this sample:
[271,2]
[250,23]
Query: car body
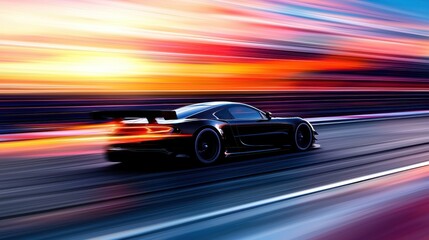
[206,132]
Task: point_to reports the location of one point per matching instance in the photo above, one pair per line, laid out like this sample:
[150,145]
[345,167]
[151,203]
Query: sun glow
[102,66]
[79,64]
[141,46]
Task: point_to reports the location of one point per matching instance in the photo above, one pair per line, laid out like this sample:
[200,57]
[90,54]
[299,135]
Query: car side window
[224,114]
[241,112]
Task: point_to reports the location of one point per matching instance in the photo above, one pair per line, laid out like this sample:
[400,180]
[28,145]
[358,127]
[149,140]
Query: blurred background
[61,60]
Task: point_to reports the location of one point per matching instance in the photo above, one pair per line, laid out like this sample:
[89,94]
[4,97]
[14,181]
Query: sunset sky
[102,46]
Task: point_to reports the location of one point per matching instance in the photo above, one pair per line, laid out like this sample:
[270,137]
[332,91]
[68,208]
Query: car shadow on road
[152,166]
[138,166]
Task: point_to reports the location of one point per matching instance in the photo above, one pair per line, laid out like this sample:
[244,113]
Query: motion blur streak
[373,210]
[357,63]
[82,196]
[32,144]
[139,46]
[29,113]
[148,229]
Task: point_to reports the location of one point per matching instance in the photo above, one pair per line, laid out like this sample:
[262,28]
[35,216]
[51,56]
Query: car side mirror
[268,115]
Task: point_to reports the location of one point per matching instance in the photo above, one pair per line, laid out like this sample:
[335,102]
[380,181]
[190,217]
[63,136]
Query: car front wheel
[303,137]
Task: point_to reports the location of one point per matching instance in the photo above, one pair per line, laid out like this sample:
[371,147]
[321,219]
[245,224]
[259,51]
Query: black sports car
[206,132]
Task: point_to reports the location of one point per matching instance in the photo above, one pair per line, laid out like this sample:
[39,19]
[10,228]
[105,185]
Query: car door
[252,128]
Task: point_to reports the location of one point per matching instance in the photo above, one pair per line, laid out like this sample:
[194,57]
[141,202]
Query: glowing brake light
[158,129]
[141,130]
[114,127]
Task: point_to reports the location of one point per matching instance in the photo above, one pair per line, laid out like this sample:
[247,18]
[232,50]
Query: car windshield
[190,110]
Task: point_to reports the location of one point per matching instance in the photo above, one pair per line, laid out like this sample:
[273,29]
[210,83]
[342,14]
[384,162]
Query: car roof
[211,105]
[215,103]
[196,108]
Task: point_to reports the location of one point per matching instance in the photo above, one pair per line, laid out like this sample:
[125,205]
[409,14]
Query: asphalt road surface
[82,196]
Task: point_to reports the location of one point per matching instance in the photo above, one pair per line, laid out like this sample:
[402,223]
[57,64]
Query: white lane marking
[160,226]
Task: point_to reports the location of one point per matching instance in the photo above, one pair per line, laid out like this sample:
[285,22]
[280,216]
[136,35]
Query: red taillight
[140,130]
[158,129]
[114,127]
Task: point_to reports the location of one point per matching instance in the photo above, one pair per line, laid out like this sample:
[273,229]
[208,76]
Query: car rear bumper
[115,154]
[148,150]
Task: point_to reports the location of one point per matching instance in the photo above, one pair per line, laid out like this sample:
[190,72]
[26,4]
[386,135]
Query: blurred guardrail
[20,112]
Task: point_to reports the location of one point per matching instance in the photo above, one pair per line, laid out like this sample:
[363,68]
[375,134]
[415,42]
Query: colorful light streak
[140,46]
[77,140]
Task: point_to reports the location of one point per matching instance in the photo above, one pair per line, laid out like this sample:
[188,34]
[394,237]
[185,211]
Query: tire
[114,156]
[208,147]
[303,137]
[123,158]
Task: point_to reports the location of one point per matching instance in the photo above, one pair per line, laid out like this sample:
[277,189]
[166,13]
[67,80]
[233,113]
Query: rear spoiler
[150,115]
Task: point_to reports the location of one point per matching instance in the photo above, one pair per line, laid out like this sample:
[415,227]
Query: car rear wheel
[207,147]
[303,137]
